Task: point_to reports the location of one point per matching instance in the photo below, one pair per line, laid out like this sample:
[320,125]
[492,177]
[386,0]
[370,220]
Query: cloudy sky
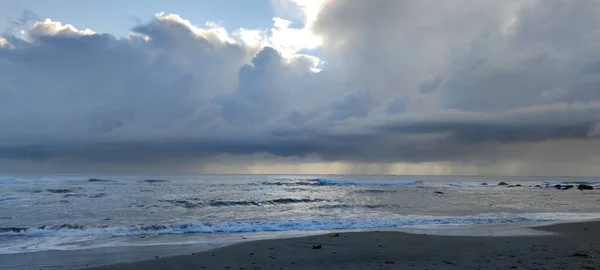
[301,86]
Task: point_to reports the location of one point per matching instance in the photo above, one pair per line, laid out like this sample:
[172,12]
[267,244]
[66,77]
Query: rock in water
[438,192]
[568,187]
[585,187]
[317,246]
[582,254]
[484,184]
[502,184]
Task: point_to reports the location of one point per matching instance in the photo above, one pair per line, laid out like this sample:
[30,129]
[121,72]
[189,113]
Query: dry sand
[572,246]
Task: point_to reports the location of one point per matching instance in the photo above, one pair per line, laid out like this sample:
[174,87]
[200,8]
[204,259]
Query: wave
[334,182]
[69,195]
[194,227]
[59,191]
[154,181]
[308,182]
[96,180]
[19,180]
[9,198]
[471,185]
[222,203]
[352,206]
[261,203]
[375,191]
[52,180]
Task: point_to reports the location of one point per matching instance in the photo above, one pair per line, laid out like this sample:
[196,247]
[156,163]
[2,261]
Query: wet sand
[571,246]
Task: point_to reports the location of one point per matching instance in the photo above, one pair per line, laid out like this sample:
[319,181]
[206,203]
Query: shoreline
[569,246]
[169,256]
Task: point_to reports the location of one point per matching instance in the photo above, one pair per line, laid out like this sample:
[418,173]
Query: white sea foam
[293,225]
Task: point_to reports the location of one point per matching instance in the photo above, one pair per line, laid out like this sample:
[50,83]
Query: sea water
[69,212]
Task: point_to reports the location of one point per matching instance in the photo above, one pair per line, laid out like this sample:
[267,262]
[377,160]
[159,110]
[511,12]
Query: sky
[301,86]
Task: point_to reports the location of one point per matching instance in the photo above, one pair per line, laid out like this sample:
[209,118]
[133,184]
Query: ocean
[71,212]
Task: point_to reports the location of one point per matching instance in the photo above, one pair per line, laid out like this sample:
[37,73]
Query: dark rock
[484,184]
[538,186]
[438,192]
[317,246]
[336,235]
[502,184]
[511,186]
[585,187]
[518,185]
[581,254]
[568,187]
[389,262]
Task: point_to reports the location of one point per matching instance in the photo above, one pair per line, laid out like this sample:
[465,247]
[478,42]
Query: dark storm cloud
[404,81]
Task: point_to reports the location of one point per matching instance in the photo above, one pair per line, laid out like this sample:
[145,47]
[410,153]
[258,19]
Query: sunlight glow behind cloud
[504,86]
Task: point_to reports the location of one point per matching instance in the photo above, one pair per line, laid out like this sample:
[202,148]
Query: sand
[571,246]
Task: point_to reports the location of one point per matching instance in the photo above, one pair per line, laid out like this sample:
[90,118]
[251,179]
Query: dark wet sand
[572,246]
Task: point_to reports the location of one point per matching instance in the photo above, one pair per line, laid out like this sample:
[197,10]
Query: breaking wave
[333,182]
[96,180]
[194,227]
[471,185]
[339,182]
[155,181]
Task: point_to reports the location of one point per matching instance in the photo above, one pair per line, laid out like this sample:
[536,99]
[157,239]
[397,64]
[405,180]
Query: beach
[65,222]
[568,246]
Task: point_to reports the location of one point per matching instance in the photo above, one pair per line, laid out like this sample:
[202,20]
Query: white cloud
[405,81]
[54,28]
[4,43]
[290,40]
